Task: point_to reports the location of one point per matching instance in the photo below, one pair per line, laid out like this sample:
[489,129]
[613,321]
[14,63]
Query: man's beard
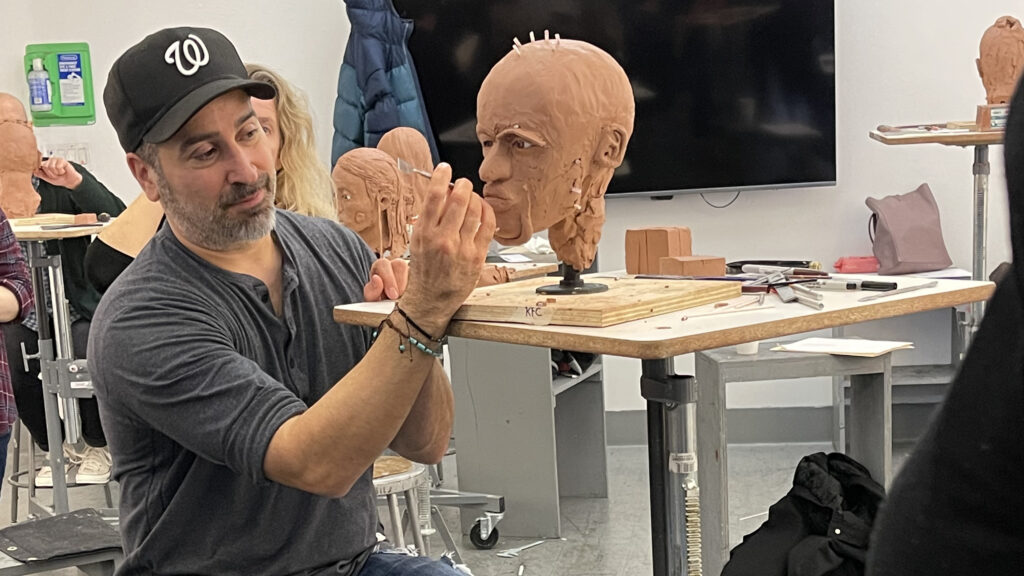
[217,228]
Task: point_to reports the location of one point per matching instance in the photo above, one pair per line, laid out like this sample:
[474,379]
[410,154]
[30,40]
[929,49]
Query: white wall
[304,40]
[898,62]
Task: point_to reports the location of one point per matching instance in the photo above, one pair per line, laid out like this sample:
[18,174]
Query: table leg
[670,447]
[713,464]
[39,264]
[870,426]
[981,171]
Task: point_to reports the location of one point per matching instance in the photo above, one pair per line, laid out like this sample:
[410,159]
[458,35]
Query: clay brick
[646,246]
[692,266]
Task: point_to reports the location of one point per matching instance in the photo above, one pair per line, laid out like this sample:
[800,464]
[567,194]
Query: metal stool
[408,482]
[15,479]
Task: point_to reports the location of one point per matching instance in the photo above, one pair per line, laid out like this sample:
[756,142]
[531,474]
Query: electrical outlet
[77,152]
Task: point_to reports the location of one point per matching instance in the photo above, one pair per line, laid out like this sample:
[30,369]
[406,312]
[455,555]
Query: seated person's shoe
[95,466]
[44,476]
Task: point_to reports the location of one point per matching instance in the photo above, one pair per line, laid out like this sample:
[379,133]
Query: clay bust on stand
[19,158]
[1000,65]
[409,145]
[371,199]
[553,117]
[1002,59]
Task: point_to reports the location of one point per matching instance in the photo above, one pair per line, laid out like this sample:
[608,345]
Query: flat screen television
[730,94]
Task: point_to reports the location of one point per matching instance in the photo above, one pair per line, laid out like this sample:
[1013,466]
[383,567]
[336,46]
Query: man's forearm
[327,448]
[425,434]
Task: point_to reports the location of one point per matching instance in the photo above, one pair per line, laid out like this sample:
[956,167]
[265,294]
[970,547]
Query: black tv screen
[730,94]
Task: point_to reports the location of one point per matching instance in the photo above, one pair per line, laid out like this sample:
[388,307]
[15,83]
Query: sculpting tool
[931,284]
[407,168]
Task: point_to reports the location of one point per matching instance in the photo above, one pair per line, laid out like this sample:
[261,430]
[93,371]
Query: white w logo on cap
[194,52]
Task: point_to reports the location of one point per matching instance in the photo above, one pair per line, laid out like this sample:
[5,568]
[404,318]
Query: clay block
[646,246]
[692,266]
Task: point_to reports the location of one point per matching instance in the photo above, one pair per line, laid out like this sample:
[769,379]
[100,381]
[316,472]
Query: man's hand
[447,252]
[59,172]
[388,278]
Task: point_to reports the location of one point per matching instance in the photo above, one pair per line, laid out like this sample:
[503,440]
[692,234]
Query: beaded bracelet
[412,340]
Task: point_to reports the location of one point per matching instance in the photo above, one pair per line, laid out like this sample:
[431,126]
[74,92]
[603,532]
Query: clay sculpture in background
[1002,59]
[554,117]
[409,145]
[19,158]
[370,194]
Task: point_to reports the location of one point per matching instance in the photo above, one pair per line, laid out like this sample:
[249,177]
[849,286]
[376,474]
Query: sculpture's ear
[977,62]
[611,146]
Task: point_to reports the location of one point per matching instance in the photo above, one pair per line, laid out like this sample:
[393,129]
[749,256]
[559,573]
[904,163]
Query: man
[56,186]
[553,117]
[242,420]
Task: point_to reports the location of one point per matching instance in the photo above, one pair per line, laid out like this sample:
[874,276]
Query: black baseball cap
[157,85]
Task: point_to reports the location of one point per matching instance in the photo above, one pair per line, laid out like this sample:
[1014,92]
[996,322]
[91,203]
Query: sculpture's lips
[497,199]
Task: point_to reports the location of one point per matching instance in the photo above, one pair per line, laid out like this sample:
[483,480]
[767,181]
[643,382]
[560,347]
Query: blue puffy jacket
[377,86]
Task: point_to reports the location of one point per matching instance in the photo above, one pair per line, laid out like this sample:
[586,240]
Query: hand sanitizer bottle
[39,87]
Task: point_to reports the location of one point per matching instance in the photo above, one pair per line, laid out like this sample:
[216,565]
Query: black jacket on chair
[820,528]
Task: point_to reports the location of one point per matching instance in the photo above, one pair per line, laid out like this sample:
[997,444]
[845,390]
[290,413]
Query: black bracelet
[417,326]
[439,353]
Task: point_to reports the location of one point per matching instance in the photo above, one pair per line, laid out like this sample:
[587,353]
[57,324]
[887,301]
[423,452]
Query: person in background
[65,188]
[15,303]
[303,182]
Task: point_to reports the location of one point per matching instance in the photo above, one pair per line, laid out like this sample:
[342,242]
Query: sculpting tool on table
[836,284]
[801,290]
[931,284]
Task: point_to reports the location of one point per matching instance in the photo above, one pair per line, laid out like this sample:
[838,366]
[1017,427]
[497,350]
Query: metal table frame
[656,341]
[64,378]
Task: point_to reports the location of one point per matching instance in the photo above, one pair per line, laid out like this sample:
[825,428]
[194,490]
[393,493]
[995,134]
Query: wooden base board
[626,299]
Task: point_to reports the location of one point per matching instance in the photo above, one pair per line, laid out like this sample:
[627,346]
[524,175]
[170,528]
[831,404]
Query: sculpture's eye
[521,144]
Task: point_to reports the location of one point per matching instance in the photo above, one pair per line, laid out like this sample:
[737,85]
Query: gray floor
[600,537]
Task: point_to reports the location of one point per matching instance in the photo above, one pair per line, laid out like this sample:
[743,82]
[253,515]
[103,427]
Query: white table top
[669,335]
[36,232]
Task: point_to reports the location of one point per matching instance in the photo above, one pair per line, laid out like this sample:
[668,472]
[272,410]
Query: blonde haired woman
[303,184]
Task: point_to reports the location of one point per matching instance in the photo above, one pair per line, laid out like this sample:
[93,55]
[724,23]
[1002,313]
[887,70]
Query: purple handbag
[906,233]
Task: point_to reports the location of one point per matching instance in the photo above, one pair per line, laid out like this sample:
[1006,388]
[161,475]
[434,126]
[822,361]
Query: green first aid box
[68,69]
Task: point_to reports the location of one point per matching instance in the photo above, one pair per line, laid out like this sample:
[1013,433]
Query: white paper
[515,258]
[845,346]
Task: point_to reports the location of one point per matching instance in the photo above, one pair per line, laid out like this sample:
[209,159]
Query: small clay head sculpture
[19,158]
[1002,59]
[409,145]
[553,117]
[369,195]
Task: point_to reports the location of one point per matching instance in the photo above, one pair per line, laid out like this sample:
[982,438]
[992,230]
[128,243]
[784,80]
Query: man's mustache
[239,192]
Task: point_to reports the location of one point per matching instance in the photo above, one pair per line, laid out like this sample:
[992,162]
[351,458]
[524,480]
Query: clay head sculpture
[370,199]
[19,158]
[410,145]
[1002,59]
[553,117]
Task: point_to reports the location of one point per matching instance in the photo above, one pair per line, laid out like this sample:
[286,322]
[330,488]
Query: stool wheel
[480,543]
